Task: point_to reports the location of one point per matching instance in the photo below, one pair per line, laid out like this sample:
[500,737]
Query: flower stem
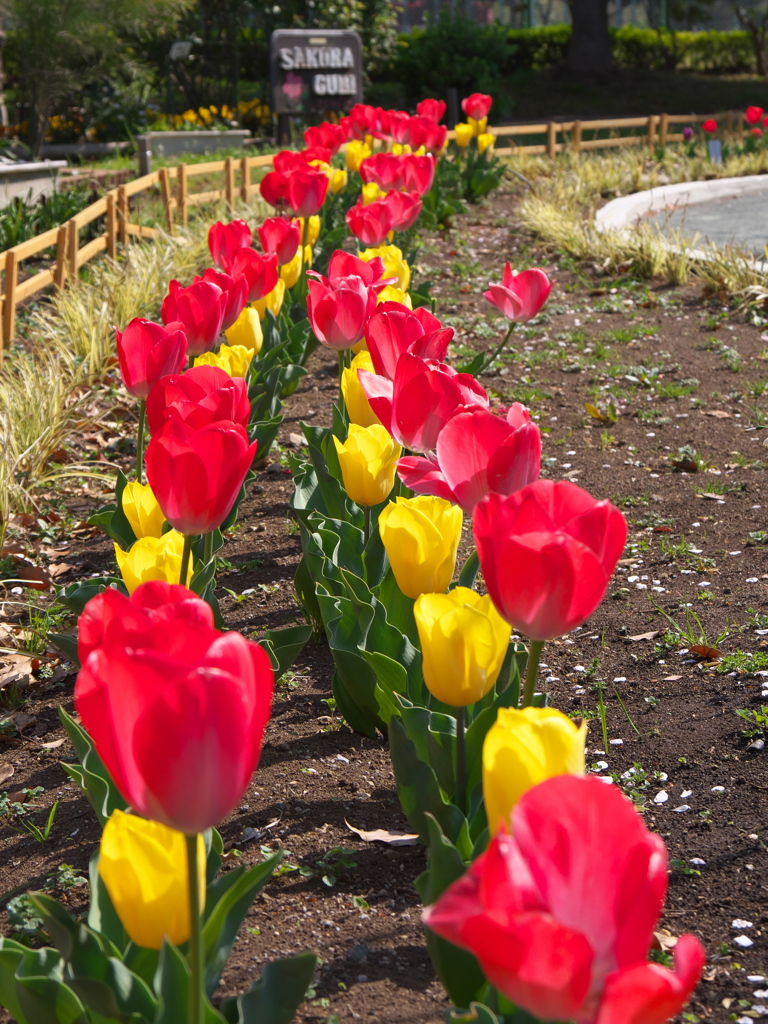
[140,439]
[367,529]
[461,762]
[344,362]
[500,348]
[195,934]
[185,555]
[532,672]
[302,276]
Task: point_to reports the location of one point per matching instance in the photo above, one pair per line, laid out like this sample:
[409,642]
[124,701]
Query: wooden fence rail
[174,188]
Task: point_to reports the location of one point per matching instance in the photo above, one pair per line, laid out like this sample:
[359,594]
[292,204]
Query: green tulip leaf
[32,987]
[77,595]
[67,644]
[112,520]
[276,996]
[476,1014]
[469,570]
[102,916]
[285,645]
[91,775]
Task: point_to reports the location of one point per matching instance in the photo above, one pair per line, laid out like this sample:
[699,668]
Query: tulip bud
[368,460]
[356,152]
[358,407]
[232,359]
[152,558]
[143,866]
[522,749]
[246,331]
[464,133]
[421,537]
[142,510]
[272,302]
[464,642]
[290,272]
[485,141]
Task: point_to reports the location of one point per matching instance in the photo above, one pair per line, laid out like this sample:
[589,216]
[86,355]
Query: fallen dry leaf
[381,835]
[60,569]
[54,743]
[706,652]
[34,576]
[23,721]
[719,414]
[645,636]
[6,771]
[712,497]
[665,939]
[671,679]
[16,669]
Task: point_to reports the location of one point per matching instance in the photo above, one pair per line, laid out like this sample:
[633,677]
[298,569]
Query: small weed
[334,863]
[743,663]
[693,632]
[757,721]
[756,538]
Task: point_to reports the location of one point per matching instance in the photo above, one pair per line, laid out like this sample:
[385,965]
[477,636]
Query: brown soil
[678,717]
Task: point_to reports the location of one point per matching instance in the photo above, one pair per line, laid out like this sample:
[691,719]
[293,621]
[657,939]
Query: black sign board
[315,70]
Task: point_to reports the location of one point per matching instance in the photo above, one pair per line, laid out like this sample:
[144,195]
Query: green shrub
[703,52]
[538,48]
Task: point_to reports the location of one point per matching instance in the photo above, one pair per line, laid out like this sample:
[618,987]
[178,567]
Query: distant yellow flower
[356,152]
[272,302]
[338,179]
[399,149]
[246,331]
[392,294]
[152,558]
[485,141]
[464,133]
[143,866]
[368,460]
[421,537]
[232,359]
[371,192]
[142,510]
[313,231]
[289,272]
[358,406]
[394,264]
[478,127]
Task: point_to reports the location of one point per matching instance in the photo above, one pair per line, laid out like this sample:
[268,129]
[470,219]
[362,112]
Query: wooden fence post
[577,136]
[663,128]
[9,306]
[122,215]
[551,139]
[245,178]
[111,226]
[73,244]
[652,132]
[165,185]
[60,270]
[229,181]
[181,194]
[740,126]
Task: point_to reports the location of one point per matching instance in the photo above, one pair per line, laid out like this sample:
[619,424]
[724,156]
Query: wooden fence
[174,185]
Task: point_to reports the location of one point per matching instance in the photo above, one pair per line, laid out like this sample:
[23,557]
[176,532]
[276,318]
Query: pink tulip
[147,352]
[339,309]
[235,293]
[385,169]
[405,208]
[520,296]
[394,329]
[371,223]
[200,308]
[433,109]
[561,912]
[478,453]
[225,239]
[547,553]
[344,264]
[424,395]
[257,270]
[477,106]
[281,236]
[203,394]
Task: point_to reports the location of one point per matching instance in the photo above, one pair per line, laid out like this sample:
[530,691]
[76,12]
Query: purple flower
[687,134]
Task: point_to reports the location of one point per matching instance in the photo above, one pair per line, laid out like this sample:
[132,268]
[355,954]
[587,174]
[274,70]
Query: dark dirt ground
[681,371]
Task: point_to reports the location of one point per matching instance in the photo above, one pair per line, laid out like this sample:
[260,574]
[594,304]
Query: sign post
[315,71]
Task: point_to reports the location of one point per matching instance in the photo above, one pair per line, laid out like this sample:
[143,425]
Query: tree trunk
[589,52]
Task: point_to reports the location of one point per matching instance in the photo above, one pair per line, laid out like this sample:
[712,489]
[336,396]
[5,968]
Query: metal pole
[632,12]
[531,13]
[618,13]
[662,13]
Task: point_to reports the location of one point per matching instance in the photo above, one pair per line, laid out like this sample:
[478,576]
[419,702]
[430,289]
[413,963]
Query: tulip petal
[424,476]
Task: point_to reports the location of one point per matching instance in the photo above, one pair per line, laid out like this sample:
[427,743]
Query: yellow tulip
[152,558]
[272,302]
[368,460]
[358,406]
[338,179]
[392,294]
[289,272]
[478,127]
[394,264]
[246,331]
[485,141]
[361,346]
[313,230]
[421,537]
[464,133]
[142,510]
[400,149]
[464,642]
[232,359]
[371,192]
[356,152]
[522,749]
[143,866]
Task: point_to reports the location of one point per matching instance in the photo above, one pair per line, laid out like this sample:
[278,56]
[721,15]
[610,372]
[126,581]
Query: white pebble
[616,743]
[756,979]
[579,668]
[739,924]
[602,765]
[681,808]
[734,552]
[704,584]
[686,793]
[661,797]
[620,679]
[752,579]
[743,941]
[761,993]
[717,789]
[697,862]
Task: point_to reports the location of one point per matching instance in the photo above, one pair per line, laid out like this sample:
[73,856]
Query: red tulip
[313,155]
[547,553]
[753,114]
[288,160]
[281,236]
[366,120]
[225,239]
[204,394]
[339,309]
[177,711]
[477,105]
[426,133]
[328,135]
[385,169]
[344,264]
[405,208]
[400,127]
[757,132]
[520,296]
[478,453]
[200,309]
[370,224]
[418,173]
[561,912]
[148,352]
[196,473]
[274,188]
[259,272]
[394,329]
[424,395]
[433,109]
[235,294]
[709,125]
[306,191]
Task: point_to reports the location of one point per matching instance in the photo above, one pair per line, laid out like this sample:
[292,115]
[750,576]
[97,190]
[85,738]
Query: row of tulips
[173,710]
